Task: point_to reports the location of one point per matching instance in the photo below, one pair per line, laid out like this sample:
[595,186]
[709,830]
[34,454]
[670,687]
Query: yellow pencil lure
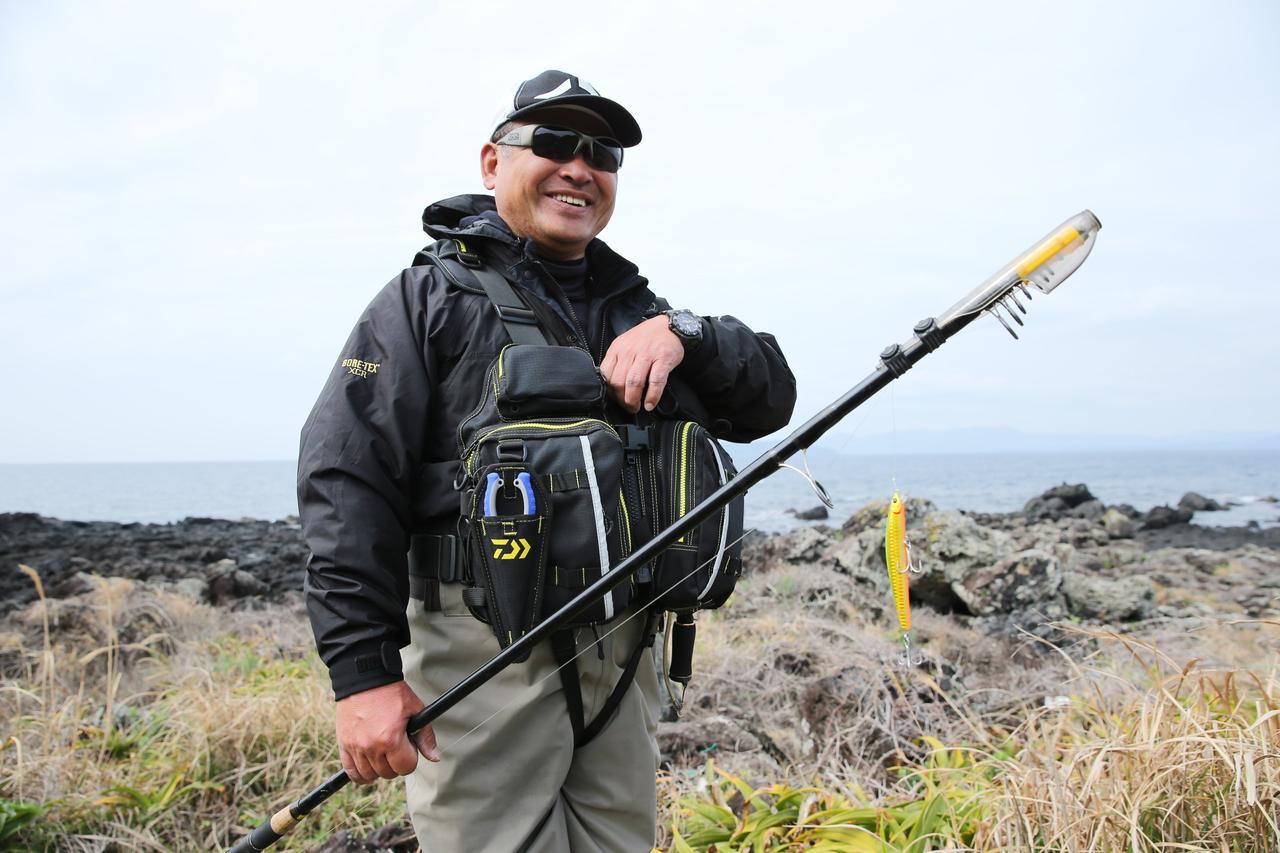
[898,560]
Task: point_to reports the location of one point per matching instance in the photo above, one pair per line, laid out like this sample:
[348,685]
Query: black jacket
[378,455]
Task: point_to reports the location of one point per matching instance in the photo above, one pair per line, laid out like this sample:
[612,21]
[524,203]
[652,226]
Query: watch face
[686,324]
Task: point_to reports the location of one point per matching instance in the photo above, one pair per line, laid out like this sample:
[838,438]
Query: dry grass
[135,719]
[1174,758]
[142,720]
[989,744]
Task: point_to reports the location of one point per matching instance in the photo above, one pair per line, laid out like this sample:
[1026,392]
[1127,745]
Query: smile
[567,199]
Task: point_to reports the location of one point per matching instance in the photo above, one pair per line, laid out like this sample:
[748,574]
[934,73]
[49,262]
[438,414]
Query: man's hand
[371,734]
[644,354]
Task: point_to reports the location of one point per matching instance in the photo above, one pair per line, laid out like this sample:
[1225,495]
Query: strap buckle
[449,560]
[514,314]
[635,437]
[511,450]
[436,558]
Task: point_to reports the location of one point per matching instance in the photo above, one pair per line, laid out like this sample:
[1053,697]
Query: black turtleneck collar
[475,220]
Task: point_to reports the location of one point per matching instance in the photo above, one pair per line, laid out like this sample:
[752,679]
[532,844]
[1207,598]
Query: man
[379,459]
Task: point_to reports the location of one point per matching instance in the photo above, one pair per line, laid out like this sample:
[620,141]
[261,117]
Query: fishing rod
[1044,266]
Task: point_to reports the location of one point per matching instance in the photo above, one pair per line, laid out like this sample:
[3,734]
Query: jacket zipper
[576,326]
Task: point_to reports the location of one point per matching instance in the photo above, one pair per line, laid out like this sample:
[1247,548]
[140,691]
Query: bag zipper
[682,484]
[535,428]
[626,522]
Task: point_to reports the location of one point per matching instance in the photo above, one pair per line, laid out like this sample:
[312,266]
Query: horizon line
[731,446]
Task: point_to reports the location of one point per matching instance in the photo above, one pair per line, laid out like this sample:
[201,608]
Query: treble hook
[911,565]
[905,659]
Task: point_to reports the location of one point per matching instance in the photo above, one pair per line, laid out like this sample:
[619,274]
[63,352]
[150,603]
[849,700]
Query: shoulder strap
[517,318]
[521,323]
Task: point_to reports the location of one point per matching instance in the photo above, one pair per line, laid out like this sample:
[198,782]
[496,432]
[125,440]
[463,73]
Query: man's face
[560,206]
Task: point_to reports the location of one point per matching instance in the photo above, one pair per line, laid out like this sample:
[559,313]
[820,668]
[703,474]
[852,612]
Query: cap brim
[624,126]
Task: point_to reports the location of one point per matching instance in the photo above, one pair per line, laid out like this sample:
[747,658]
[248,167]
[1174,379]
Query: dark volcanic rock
[269,556]
[1208,538]
[1196,502]
[1059,501]
[1042,508]
[228,581]
[1091,509]
[817,513]
[1165,516]
[1073,494]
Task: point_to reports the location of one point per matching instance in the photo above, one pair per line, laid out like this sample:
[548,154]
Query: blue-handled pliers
[523,484]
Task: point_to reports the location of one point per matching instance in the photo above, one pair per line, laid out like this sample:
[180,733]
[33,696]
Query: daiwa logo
[515,549]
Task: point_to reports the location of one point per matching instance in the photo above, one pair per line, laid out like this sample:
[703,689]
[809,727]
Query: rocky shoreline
[213,560]
[812,616]
[1065,553]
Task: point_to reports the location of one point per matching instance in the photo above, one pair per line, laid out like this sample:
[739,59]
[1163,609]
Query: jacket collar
[474,220]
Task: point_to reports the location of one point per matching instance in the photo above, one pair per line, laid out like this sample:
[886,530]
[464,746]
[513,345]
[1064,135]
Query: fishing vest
[552,495]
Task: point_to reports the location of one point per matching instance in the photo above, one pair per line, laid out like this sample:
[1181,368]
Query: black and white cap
[568,96]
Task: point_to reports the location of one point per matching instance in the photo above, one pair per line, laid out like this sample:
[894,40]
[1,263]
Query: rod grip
[683,634]
[267,833]
[260,839]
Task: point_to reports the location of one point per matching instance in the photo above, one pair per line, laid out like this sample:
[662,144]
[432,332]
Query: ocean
[997,482]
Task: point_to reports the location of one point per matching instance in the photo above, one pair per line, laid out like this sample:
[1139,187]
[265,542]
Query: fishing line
[893,439]
[898,558]
[586,648]
[871,409]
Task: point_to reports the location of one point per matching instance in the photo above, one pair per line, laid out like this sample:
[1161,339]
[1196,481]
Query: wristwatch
[686,325]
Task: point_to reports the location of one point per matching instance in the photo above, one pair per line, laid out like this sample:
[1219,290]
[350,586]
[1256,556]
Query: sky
[200,199]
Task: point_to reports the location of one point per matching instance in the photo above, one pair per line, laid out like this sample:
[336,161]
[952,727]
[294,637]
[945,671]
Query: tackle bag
[541,491]
[553,496]
[541,499]
[672,466]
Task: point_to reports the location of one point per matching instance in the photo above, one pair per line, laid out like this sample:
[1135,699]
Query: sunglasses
[562,145]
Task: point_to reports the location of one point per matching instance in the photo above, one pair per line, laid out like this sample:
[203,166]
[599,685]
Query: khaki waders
[516,783]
